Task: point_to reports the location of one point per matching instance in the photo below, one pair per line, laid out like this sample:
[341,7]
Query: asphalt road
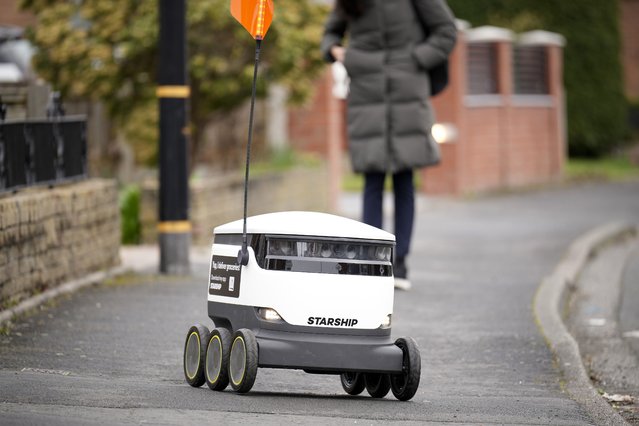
[112,353]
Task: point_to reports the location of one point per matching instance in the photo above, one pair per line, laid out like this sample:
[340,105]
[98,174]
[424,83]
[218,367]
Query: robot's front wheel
[352,383]
[216,363]
[377,384]
[194,351]
[243,360]
[404,385]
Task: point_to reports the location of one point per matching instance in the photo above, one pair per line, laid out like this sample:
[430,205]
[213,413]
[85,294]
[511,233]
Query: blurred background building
[505,120]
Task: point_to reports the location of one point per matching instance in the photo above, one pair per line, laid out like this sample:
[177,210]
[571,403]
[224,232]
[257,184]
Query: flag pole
[243,256]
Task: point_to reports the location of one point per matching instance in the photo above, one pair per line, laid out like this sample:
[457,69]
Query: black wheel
[194,351]
[216,364]
[243,360]
[405,384]
[377,384]
[352,383]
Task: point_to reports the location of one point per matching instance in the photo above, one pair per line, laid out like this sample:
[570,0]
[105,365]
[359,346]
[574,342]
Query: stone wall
[215,201]
[49,236]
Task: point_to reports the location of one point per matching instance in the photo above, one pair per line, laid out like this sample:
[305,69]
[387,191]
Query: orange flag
[254,15]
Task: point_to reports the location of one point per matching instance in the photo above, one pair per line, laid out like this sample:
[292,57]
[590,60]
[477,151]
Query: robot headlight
[269,314]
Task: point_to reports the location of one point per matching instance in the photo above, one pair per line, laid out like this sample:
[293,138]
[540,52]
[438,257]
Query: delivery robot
[315,294]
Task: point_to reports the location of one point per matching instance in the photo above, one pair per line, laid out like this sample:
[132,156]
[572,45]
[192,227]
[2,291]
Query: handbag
[438,78]
[438,75]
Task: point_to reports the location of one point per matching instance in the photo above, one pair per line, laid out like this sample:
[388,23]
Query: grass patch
[283,160]
[10,303]
[5,329]
[613,168]
[354,182]
[127,278]
[133,278]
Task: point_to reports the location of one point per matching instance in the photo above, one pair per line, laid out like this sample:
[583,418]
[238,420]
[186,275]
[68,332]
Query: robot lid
[306,223]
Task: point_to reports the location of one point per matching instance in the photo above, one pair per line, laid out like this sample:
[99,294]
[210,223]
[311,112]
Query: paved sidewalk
[145,259]
[112,353]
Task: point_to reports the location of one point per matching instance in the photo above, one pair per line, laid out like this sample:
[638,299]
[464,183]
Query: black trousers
[404,190]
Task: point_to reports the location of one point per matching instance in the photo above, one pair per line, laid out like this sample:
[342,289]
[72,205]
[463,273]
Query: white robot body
[325,298]
[315,293]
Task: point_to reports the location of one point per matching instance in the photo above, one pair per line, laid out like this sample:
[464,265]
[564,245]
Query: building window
[531,70]
[482,69]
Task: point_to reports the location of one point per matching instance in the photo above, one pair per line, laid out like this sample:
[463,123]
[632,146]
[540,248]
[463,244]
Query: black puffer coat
[387,58]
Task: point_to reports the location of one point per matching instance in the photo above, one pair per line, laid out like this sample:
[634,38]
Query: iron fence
[42,152]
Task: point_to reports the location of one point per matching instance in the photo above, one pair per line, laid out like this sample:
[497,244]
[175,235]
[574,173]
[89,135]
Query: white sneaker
[402,284]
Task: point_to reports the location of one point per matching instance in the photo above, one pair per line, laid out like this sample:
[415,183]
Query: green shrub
[130,214]
[594,95]
[610,168]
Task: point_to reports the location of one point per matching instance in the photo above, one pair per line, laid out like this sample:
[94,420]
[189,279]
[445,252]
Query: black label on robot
[224,279]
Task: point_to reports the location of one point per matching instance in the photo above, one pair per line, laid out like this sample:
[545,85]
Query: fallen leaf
[620,399]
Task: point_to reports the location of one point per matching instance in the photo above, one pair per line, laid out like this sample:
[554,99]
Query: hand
[338,53]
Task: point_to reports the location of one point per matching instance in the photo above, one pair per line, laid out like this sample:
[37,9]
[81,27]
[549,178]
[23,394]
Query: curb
[547,307]
[66,288]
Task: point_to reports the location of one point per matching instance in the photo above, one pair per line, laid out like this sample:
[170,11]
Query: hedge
[596,106]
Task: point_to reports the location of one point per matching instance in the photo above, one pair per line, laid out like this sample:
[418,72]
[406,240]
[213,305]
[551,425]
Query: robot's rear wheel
[377,384]
[405,384]
[216,365]
[194,352]
[243,360]
[352,383]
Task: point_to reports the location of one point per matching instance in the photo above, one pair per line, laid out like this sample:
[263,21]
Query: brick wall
[531,159]
[50,236]
[310,125]
[10,14]
[482,156]
[219,200]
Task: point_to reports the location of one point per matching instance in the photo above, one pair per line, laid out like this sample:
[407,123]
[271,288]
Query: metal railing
[42,151]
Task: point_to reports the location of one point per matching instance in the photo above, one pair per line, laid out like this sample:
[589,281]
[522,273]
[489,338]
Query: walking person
[392,45]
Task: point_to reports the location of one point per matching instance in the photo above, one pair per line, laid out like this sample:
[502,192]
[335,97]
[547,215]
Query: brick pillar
[505,79]
[630,46]
[558,151]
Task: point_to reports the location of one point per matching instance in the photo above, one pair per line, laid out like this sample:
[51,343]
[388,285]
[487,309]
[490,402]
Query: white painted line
[632,334]
[597,322]
[45,371]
